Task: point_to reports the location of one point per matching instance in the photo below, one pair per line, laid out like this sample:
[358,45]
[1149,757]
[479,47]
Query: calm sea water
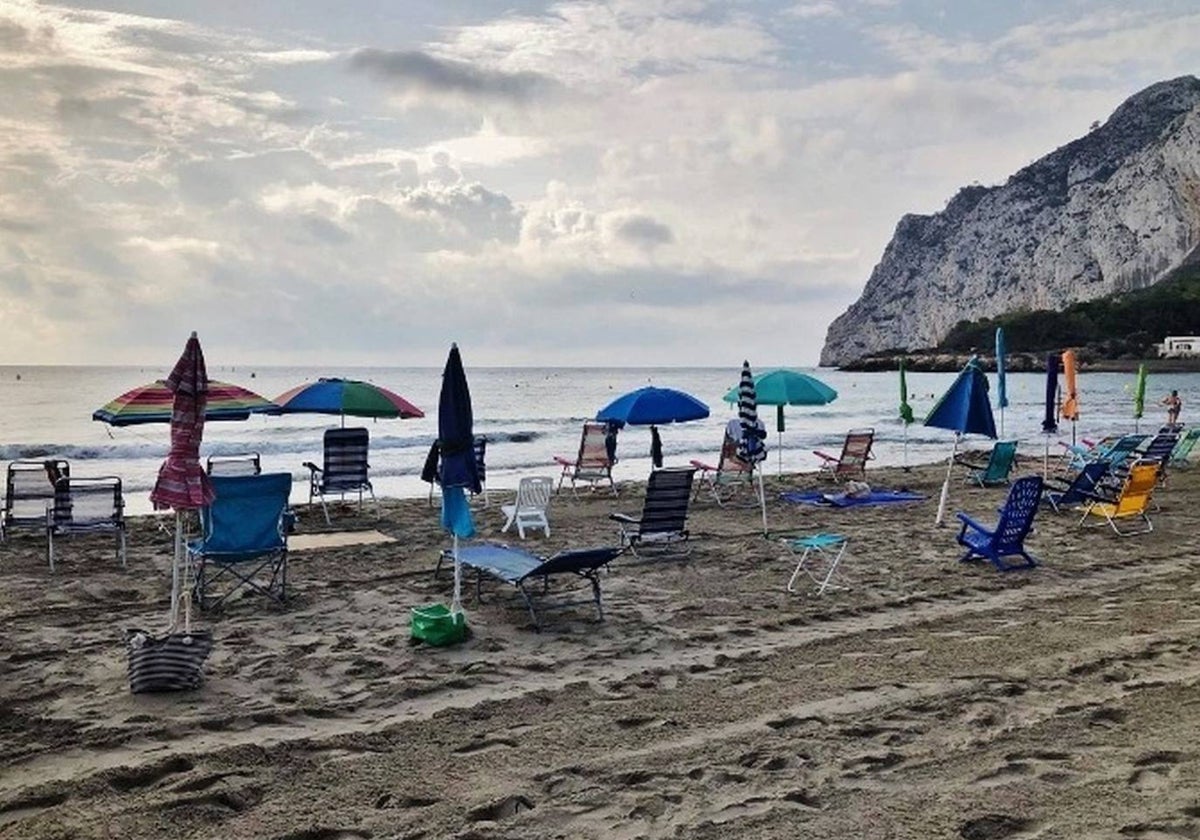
[530,415]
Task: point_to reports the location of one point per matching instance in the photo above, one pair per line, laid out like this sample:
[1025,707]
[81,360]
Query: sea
[530,415]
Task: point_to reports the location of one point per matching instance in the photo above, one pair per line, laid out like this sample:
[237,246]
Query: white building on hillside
[1179,346]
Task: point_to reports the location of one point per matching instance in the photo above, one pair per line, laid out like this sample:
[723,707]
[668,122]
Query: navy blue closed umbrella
[964,409]
[456,439]
[1050,418]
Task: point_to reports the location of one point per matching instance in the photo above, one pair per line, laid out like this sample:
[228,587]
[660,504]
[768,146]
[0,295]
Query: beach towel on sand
[843,500]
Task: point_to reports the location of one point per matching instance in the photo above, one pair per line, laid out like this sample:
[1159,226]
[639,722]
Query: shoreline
[1015,362]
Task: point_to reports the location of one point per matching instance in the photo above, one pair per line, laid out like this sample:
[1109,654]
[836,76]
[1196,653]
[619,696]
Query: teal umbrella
[786,387]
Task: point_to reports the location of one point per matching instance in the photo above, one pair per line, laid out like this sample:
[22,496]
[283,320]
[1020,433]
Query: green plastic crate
[436,625]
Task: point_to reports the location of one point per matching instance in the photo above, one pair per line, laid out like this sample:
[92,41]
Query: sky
[609,183]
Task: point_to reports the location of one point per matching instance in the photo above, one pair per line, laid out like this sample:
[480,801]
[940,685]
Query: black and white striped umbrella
[750,449]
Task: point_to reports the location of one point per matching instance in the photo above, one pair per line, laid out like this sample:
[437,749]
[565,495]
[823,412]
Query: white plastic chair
[529,509]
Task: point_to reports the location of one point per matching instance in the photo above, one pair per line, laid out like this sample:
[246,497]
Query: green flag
[906,412]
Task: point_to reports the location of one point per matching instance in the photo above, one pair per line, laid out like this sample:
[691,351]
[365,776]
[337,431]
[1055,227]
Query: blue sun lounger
[517,566]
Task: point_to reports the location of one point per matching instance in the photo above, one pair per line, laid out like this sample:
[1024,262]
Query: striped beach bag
[173,661]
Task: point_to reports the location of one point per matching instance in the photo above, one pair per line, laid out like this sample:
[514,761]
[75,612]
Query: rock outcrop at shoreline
[1115,210]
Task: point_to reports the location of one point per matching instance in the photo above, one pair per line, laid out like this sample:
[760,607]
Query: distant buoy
[253,374]
[18,377]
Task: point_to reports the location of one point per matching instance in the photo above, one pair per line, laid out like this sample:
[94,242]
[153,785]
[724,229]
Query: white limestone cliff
[1115,210]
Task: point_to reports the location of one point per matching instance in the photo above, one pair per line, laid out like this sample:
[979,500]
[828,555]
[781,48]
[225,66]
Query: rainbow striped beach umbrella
[152,404]
[345,396]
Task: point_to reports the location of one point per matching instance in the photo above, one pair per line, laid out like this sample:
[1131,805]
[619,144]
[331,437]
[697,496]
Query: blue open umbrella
[456,439]
[965,409]
[651,406]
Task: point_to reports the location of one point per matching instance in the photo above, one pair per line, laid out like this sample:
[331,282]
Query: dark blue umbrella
[1001,375]
[1050,418]
[965,409]
[456,439]
[651,406]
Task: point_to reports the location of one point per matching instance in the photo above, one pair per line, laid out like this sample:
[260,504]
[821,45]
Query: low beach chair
[998,468]
[244,539]
[852,463]
[28,491]
[519,568]
[1007,538]
[529,508]
[593,463]
[662,525]
[86,506]
[1129,504]
[1183,449]
[1060,494]
[344,470]
[729,476]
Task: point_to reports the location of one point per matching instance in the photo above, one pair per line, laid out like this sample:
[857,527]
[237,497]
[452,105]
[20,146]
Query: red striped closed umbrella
[182,483]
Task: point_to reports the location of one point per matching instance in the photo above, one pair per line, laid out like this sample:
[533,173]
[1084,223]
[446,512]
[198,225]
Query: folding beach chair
[729,476]
[1060,494]
[1007,538]
[432,470]
[1128,504]
[243,542]
[247,463]
[529,508]
[663,523]
[28,491]
[86,506]
[593,464]
[518,567]
[1183,449]
[852,463]
[345,469]
[998,467]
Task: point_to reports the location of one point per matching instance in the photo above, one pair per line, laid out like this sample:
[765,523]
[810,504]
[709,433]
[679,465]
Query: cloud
[642,231]
[415,73]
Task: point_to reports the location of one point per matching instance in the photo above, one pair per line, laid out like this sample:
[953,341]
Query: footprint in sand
[1154,771]
[994,827]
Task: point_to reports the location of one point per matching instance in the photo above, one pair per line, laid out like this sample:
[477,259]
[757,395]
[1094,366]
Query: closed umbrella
[750,448]
[787,387]
[1050,418]
[1139,396]
[456,440]
[1001,376]
[906,412]
[1070,403]
[182,483]
[965,409]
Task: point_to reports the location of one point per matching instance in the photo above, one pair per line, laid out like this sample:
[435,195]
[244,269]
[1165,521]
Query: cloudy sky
[629,182]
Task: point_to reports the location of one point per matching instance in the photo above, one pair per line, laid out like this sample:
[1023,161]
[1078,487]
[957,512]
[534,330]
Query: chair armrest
[968,522]
[558,459]
[625,518]
[288,521]
[964,462]
[702,467]
[313,467]
[824,456]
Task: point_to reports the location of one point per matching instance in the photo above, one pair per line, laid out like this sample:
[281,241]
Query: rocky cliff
[1115,210]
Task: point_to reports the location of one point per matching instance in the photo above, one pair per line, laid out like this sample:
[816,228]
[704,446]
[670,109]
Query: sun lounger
[519,567]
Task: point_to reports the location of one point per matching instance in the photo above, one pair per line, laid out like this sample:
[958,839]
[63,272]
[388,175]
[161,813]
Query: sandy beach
[930,699]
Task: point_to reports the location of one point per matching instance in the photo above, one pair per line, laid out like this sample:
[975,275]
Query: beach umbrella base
[438,625]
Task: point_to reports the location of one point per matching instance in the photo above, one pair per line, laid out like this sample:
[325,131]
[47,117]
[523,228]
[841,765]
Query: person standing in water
[1174,405]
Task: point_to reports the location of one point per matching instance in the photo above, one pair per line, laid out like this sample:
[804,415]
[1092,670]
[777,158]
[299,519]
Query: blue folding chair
[1061,495]
[243,539]
[1007,539]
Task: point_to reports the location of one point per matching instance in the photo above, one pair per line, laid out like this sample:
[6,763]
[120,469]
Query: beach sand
[930,699]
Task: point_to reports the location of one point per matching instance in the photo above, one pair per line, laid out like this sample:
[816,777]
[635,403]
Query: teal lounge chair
[1007,539]
[1183,449]
[998,467]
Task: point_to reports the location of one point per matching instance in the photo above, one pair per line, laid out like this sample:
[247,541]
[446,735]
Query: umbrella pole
[175,569]
[1001,423]
[941,514]
[906,447]
[456,607]
[762,500]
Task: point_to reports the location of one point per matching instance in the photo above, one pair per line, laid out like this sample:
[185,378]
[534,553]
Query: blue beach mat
[841,500]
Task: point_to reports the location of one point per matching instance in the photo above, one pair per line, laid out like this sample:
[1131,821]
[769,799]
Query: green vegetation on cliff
[1121,326]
